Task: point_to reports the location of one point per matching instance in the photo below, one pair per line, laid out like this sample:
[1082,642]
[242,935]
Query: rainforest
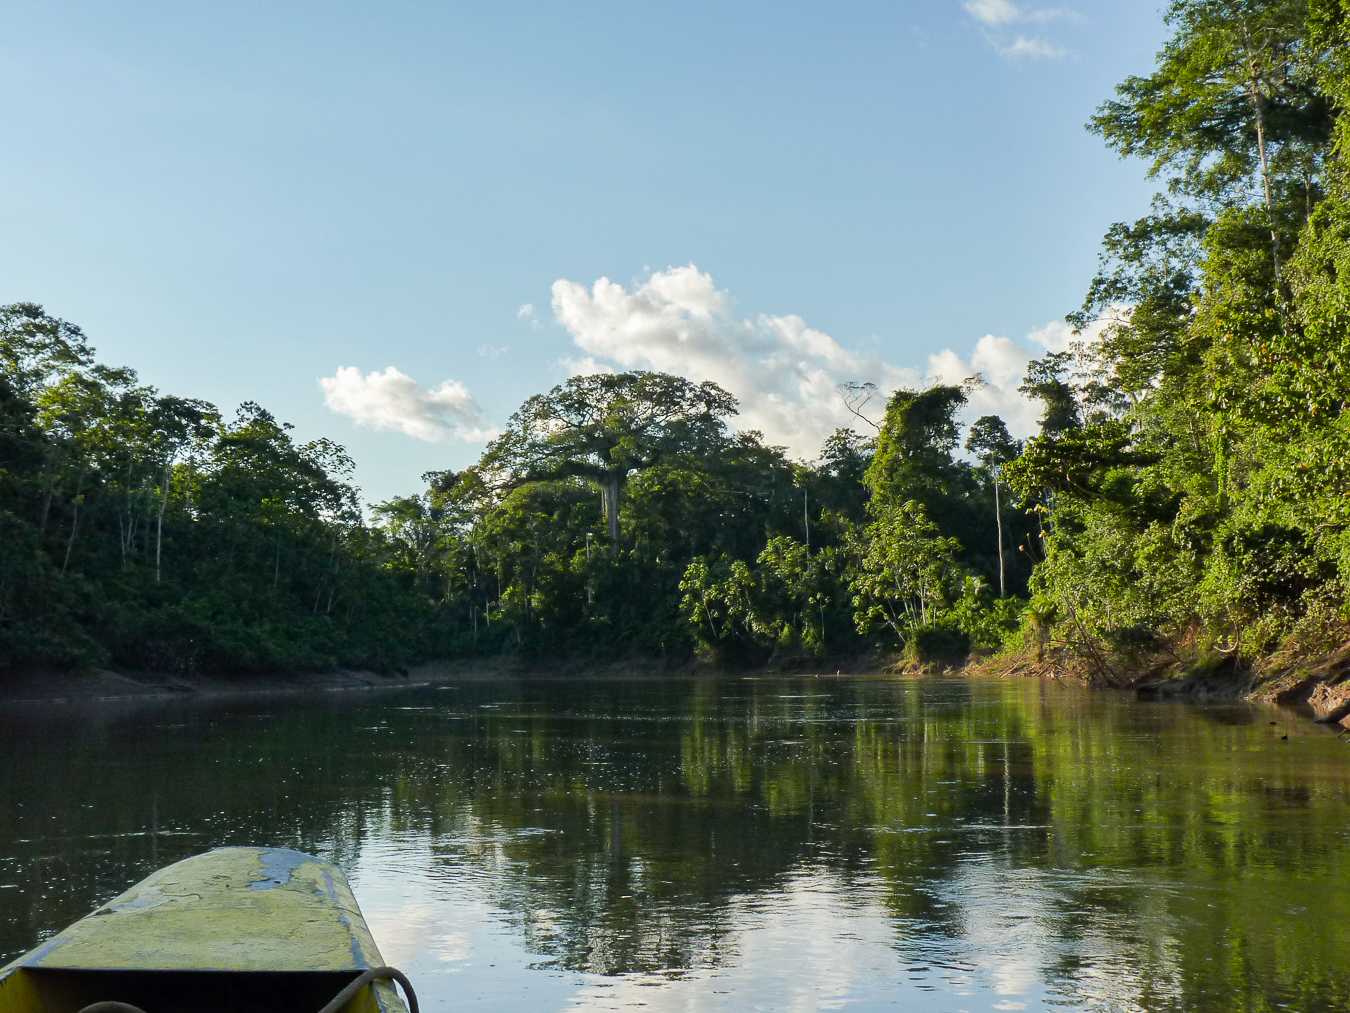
[1185,503]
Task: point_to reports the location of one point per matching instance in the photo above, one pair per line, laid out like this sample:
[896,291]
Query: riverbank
[1316,686]
[56,686]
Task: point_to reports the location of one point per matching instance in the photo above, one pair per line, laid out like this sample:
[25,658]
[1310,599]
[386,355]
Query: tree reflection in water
[995,839]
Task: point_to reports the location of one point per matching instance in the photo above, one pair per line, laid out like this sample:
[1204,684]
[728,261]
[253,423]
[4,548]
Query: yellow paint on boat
[230,912]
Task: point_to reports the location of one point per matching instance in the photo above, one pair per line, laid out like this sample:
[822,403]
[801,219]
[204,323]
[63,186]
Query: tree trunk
[1259,113]
[49,476]
[75,520]
[74,527]
[159,521]
[611,503]
[998,517]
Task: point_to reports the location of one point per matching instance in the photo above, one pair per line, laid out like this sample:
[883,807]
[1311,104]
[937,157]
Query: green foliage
[913,454]
[1234,76]
[1188,490]
[905,574]
[991,443]
[604,428]
[143,530]
[988,623]
[786,606]
[1045,380]
[618,515]
[1200,501]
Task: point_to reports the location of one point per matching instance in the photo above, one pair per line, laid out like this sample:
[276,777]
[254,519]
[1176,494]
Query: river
[735,844]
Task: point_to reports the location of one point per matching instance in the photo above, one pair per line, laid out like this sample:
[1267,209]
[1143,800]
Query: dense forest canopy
[1187,494]
[617,514]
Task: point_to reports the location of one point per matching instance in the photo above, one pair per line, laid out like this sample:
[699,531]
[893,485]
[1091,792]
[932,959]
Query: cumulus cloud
[993,12]
[1002,364]
[1033,48]
[1057,336]
[998,15]
[1002,12]
[393,400]
[785,374]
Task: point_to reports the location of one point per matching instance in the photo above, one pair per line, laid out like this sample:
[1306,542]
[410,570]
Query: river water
[725,845]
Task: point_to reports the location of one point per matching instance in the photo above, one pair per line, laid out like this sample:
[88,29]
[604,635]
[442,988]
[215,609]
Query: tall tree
[1234,104]
[991,443]
[1047,381]
[914,445]
[607,427]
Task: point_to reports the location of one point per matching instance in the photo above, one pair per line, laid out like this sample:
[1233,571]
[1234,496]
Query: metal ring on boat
[343,997]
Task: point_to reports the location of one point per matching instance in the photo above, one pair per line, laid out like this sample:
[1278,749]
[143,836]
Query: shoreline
[1317,689]
[112,686]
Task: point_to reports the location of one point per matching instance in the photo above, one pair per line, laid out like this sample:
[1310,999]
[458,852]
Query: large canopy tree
[1235,104]
[605,428]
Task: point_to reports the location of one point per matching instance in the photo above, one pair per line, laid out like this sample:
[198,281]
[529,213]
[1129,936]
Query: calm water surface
[765,844]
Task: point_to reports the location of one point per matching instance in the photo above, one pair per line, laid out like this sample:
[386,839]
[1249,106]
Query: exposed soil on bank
[1313,686]
[1316,688]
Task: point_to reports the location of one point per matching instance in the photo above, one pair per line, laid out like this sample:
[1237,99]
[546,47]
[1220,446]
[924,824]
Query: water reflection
[774,844]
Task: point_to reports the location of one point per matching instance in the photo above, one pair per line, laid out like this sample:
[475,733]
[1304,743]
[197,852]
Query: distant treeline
[618,515]
[1187,496]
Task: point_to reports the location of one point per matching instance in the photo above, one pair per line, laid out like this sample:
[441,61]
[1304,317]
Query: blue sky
[237,200]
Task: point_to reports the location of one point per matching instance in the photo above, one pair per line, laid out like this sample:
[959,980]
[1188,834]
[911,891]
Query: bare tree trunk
[50,477]
[998,517]
[159,521]
[74,527]
[611,502]
[70,543]
[127,531]
[1259,113]
[75,520]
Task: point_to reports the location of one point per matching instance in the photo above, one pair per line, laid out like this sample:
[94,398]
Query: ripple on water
[747,844]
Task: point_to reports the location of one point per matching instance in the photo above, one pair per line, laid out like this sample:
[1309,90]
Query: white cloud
[392,400]
[1056,336]
[993,12]
[587,366]
[784,373]
[1002,364]
[526,312]
[1033,48]
[1002,12]
[998,15]
[1054,14]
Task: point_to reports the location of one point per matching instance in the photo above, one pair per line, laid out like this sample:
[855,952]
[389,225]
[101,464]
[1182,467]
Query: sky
[390,224]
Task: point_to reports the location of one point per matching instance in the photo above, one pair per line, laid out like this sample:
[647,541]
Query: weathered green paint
[230,910]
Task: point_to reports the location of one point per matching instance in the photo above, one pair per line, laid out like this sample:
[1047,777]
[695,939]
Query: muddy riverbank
[1316,688]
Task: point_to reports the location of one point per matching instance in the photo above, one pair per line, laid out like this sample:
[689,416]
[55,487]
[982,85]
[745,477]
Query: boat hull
[231,929]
